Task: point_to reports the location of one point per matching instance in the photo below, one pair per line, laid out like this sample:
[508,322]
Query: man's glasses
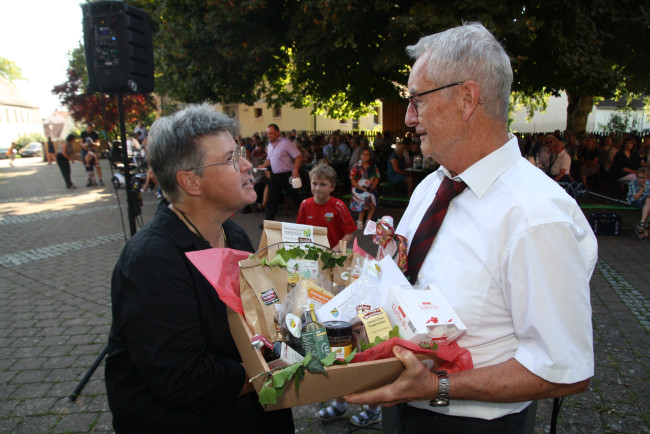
[414,103]
[234,160]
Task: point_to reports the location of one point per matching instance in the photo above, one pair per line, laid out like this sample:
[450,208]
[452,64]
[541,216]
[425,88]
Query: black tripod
[130,199]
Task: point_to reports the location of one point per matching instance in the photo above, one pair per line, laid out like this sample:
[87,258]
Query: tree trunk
[577,111]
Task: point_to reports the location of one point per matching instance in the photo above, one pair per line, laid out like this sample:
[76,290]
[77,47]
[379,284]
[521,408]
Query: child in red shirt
[326,211]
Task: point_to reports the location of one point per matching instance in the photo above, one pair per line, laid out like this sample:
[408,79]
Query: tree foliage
[10,70]
[341,55]
[100,109]
[587,49]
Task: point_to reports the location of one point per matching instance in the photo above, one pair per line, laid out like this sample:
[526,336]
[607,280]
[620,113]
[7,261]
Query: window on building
[231,111]
[258,113]
[343,121]
[277,112]
[376,115]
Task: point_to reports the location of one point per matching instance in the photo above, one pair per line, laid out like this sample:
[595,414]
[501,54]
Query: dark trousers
[415,420]
[278,182]
[64,166]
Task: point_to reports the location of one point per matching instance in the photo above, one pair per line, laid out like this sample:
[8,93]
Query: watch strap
[442,398]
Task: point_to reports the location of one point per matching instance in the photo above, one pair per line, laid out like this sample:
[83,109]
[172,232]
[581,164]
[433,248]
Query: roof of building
[636,104]
[10,96]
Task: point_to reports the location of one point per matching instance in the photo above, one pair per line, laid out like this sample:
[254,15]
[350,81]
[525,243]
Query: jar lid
[338,328]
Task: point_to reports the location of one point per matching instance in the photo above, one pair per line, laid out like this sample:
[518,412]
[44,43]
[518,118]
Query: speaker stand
[130,198]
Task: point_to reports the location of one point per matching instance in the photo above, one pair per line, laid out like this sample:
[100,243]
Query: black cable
[557,405]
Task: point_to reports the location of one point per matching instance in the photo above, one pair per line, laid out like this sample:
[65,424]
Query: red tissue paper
[221,268]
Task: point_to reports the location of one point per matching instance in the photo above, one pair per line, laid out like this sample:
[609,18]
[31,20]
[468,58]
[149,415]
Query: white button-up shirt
[514,257]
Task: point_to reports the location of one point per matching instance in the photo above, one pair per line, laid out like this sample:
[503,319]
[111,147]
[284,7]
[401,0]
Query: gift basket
[311,324]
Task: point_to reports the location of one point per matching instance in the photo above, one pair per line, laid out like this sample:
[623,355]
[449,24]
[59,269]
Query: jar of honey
[339,334]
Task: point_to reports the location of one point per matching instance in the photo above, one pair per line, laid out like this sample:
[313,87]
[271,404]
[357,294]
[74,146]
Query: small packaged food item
[423,315]
[340,337]
[370,324]
[276,354]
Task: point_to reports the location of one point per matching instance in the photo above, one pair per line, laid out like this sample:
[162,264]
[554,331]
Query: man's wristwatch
[442,398]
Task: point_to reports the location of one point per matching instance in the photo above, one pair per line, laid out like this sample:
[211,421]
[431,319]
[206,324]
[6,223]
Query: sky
[37,35]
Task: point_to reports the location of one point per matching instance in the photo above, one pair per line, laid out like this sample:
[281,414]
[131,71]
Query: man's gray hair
[173,142]
[469,52]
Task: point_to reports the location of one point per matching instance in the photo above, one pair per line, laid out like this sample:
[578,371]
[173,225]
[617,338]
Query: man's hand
[416,383]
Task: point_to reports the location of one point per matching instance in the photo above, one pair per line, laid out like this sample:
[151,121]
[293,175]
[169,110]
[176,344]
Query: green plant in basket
[313,253]
[275,380]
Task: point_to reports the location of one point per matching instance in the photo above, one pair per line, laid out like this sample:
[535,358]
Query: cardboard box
[423,315]
[338,381]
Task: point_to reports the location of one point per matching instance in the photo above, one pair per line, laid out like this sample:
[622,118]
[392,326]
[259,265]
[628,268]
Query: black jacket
[172,364]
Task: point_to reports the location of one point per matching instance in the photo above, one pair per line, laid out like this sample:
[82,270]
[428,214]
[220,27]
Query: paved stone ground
[57,253]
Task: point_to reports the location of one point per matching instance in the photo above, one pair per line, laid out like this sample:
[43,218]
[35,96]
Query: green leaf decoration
[300,375]
[315,366]
[284,375]
[312,253]
[394,333]
[267,394]
[264,262]
[350,356]
[329,360]
[278,261]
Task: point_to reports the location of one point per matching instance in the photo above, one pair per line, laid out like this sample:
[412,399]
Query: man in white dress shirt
[514,254]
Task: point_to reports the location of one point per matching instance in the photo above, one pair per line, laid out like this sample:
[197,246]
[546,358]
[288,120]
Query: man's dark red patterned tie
[429,226]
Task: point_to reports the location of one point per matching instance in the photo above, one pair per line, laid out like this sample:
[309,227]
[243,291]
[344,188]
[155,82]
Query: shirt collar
[482,174]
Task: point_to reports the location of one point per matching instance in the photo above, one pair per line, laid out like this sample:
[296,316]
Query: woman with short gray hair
[172,364]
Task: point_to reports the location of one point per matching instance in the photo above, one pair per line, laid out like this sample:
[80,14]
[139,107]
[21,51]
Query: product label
[294,233]
[288,356]
[316,295]
[318,341]
[269,297]
[342,352]
[294,324]
[305,268]
[376,323]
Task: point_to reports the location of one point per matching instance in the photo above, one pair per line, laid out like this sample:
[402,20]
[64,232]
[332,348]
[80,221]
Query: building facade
[18,117]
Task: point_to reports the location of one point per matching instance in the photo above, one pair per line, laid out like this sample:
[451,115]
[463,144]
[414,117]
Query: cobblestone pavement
[57,253]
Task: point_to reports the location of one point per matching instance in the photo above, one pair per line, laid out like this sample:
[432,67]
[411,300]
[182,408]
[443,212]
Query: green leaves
[273,387]
[329,261]
[394,333]
[313,253]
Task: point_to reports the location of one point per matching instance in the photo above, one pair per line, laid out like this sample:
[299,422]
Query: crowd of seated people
[587,158]
[568,157]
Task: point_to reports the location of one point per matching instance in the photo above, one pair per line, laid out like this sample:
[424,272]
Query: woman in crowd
[51,152]
[626,162]
[397,173]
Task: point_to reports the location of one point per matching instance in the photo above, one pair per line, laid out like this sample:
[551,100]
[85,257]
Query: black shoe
[101,182]
[89,184]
